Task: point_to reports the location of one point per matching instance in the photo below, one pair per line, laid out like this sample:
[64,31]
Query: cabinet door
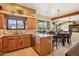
[38,46]
[26,41]
[19,42]
[0,46]
[11,43]
[31,23]
[48,45]
[42,48]
[5,44]
[45,46]
[2,21]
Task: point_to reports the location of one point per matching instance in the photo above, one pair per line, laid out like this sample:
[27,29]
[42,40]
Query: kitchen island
[42,44]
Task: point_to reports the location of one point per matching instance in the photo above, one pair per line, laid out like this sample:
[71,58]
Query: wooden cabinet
[26,41]
[43,45]
[0,46]
[19,42]
[31,23]
[23,41]
[2,20]
[46,46]
[11,43]
[5,44]
[37,46]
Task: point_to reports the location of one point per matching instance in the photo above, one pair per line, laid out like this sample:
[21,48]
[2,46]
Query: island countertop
[41,35]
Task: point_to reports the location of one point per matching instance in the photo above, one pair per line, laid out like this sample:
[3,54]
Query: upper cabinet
[2,19]
[31,23]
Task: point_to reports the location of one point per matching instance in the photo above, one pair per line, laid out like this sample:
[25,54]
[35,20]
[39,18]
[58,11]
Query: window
[42,26]
[15,24]
[47,25]
[20,24]
[11,24]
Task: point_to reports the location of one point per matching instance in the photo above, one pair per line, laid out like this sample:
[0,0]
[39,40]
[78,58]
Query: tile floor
[23,52]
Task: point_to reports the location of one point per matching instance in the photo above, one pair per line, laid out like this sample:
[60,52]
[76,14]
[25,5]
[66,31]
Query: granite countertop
[11,35]
[41,35]
[35,35]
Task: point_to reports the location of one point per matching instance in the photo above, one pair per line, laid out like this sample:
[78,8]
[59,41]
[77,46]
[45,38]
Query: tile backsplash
[28,31]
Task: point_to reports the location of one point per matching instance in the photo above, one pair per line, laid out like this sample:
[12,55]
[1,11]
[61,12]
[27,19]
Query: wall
[75,36]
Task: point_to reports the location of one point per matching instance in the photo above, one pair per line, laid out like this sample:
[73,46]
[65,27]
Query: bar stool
[55,41]
[59,35]
[70,34]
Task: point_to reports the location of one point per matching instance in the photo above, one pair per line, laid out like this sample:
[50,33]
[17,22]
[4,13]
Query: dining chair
[66,38]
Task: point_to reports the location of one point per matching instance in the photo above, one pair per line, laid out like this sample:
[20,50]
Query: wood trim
[15,15]
[67,15]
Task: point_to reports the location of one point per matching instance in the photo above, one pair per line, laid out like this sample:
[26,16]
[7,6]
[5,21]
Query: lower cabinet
[0,46]
[24,41]
[46,46]
[5,44]
[11,43]
[43,45]
[19,42]
[28,40]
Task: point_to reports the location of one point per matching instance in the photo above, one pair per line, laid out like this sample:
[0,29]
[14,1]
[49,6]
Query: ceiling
[51,9]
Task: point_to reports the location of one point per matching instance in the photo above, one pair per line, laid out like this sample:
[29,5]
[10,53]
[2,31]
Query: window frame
[48,26]
[24,22]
